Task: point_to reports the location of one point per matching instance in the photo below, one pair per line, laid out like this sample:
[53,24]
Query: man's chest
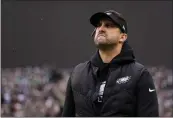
[88,84]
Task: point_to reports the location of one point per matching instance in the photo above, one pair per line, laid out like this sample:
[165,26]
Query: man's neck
[108,55]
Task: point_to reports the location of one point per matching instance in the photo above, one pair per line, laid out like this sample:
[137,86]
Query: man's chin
[104,46]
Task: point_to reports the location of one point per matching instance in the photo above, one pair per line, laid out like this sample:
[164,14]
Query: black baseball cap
[111,14]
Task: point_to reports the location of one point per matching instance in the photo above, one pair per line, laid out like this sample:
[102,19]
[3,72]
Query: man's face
[107,33]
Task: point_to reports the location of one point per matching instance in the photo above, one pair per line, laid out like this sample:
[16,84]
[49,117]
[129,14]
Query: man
[112,82]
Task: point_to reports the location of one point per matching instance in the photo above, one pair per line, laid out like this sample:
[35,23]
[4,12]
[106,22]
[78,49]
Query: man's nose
[102,28]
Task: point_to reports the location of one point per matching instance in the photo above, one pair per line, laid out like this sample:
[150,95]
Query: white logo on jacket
[123,79]
[151,90]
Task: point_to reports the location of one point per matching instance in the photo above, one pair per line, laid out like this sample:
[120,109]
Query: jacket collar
[126,56]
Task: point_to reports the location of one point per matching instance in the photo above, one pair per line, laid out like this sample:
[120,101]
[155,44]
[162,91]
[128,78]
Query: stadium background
[41,41]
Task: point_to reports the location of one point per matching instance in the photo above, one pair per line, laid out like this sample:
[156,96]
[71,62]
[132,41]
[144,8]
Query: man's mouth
[101,35]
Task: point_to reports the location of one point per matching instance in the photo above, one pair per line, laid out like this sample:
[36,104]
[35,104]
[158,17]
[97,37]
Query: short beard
[105,47]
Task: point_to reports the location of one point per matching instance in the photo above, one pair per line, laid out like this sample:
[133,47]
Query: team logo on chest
[123,80]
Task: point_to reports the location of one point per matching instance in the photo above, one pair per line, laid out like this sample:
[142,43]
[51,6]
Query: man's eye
[109,25]
[98,25]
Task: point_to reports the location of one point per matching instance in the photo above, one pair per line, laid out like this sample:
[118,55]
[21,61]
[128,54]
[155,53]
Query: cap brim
[94,19]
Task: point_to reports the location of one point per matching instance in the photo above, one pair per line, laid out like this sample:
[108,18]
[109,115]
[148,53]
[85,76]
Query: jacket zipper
[92,104]
[107,78]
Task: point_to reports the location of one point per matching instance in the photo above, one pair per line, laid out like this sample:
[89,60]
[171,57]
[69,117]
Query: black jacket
[129,89]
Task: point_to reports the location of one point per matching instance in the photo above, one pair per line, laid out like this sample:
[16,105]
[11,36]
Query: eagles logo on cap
[108,13]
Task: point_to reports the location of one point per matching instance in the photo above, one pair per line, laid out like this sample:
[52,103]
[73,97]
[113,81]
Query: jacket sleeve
[69,105]
[147,101]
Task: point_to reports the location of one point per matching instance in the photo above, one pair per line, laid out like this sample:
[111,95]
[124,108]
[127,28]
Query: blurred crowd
[32,91]
[39,91]
[163,81]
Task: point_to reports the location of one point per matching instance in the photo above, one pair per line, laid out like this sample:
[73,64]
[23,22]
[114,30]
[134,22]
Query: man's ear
[123,37]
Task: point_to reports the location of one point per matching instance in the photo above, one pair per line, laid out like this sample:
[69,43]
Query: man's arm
[147,101]
[69,105]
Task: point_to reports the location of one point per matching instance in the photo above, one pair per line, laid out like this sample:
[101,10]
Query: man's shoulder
[137,66]
[80,66]
[78,70]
